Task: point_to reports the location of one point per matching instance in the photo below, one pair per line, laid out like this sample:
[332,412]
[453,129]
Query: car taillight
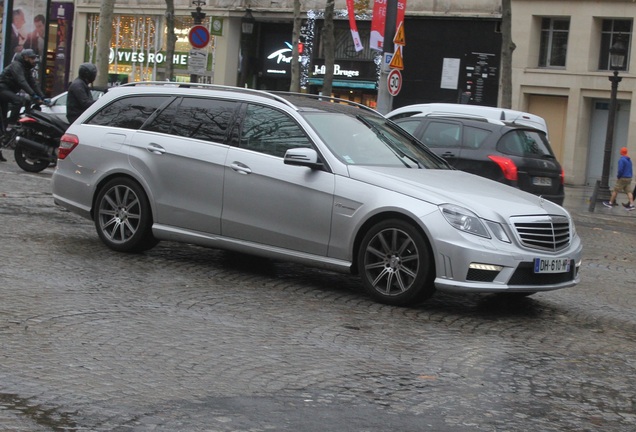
[507,166]
[67,143]
[562,176]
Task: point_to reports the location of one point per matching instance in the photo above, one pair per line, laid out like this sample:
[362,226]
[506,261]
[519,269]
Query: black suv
[518,156]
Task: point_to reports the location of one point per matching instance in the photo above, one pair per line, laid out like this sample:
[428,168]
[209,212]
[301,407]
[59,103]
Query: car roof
[470,120]
[296,101]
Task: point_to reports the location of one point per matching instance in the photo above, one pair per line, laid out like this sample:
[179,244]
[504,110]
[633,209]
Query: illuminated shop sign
[123,56]
[337,71]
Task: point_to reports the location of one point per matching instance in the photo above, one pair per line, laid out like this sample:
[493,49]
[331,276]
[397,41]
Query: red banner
[379,20]
[354,27]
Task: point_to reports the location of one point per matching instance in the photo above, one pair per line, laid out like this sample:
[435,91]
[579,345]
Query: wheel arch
[111,176]
[366,226]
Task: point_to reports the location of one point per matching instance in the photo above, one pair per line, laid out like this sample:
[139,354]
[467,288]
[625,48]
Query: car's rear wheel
[396,264]
[123,218]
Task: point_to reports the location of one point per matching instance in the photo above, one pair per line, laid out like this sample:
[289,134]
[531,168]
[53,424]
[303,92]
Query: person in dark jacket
[17,77]
[79,94]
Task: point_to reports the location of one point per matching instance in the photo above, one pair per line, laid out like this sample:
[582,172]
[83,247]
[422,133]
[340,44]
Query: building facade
[560,72]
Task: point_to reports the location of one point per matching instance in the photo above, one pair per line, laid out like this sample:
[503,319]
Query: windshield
[369,140]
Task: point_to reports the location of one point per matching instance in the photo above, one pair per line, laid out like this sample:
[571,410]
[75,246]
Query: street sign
[399,38]
[394,82]
[397,62]
[199,36]
[197,61]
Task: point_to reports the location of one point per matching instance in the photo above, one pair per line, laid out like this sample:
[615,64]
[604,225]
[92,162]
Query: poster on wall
[24,27]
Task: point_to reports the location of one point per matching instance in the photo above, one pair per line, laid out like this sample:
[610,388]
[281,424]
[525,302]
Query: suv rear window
[524,143]
[128,112]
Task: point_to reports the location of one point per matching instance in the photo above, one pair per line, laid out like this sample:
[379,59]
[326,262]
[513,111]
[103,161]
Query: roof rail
[262,93]
[326,98]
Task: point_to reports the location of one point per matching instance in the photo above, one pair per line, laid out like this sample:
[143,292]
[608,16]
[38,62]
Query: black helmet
[28,53]
[88,72]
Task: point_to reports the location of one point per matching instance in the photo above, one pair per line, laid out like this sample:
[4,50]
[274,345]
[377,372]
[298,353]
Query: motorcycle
[36,138]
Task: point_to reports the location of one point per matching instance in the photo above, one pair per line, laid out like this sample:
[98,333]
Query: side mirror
[302,156]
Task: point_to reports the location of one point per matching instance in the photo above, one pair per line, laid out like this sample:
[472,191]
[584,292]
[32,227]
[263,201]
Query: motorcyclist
[79,94]
[14,78]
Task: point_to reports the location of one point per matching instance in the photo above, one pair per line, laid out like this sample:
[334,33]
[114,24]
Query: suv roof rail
[262,93]
[326,98]
[474,117]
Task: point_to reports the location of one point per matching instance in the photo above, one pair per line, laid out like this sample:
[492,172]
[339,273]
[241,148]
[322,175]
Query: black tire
[122,216]
[29,161]
[396,264]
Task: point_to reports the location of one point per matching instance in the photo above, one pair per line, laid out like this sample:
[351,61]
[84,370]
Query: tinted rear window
[129,112]
[201,118]
[525,143]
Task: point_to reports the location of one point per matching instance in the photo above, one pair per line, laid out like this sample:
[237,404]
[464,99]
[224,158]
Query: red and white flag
[379,20]
[354,27]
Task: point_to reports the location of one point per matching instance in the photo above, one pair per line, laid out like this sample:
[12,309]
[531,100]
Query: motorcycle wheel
[29,161]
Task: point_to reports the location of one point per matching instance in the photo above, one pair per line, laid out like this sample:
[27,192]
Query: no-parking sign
[199,36]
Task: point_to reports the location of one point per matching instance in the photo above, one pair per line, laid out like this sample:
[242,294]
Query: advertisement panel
[24,27]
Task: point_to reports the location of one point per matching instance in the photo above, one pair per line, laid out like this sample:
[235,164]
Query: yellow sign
[397,62]
[399,35]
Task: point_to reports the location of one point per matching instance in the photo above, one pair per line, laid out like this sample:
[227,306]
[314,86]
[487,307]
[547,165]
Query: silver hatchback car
[309,179]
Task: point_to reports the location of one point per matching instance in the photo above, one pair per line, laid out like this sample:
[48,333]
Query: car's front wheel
[123,217]
[396,264]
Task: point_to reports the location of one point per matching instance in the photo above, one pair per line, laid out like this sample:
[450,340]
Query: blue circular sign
[199,36]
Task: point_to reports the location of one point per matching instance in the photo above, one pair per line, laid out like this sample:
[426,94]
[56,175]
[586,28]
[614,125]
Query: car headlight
[464,220]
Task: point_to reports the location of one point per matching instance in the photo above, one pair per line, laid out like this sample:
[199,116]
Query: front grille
[525,275]
[547,233]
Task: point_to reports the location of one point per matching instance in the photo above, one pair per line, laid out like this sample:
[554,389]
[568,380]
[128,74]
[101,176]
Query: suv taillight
[67,143]
[507,166]
[562,176]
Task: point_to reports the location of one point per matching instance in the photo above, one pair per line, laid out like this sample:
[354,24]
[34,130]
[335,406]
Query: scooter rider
[15,77]
[79,94]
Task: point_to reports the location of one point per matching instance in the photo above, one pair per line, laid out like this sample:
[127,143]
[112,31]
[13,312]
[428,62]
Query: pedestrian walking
[623,181]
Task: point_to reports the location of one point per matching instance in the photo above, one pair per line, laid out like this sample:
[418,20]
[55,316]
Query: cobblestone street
[183,338]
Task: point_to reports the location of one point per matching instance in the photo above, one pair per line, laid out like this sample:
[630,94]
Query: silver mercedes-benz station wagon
[309,179]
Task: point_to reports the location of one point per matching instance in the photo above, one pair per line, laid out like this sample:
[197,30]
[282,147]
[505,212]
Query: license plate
[551,265]
[542,181]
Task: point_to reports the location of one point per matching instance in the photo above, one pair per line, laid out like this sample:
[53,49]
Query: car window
[441,134]
[61,100]
[474,137]
[128,112]
[409,125]
[371,140]
[525,143]
[267,130]
[405,114]
[201,118]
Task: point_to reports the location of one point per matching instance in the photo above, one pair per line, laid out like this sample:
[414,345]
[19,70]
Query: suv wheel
[122,216]
[395,264]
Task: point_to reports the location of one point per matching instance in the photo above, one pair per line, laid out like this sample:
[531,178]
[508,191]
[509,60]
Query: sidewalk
[577,202]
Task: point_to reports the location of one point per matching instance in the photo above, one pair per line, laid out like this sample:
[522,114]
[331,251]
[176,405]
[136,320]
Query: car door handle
[156,149]
[240,168]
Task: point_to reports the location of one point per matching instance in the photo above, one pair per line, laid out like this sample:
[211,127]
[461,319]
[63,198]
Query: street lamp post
[247,29]
[601,189]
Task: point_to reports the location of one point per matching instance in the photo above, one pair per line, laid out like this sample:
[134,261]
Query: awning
[370,85]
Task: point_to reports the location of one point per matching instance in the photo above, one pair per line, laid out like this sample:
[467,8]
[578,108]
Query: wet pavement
[183,338]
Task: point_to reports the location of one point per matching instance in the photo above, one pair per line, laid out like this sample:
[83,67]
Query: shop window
[128,113]
[554,42]
[611,32]
[270,131]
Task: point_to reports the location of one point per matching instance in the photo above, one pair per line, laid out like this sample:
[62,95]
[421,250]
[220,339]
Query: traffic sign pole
[385,100]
